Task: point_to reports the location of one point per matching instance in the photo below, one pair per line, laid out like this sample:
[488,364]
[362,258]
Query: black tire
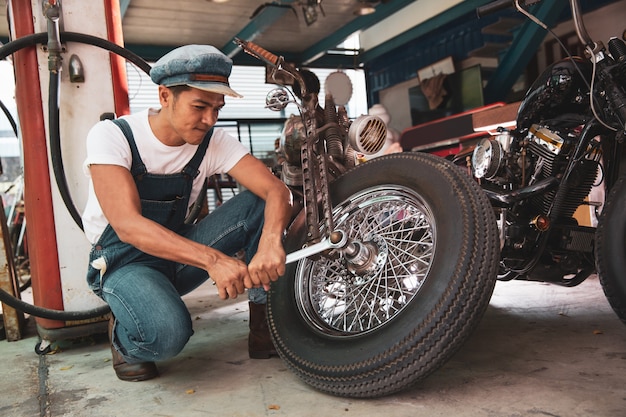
[611,248]
[437,232]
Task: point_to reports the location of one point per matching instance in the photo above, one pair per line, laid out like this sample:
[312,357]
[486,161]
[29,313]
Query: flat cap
[199,66]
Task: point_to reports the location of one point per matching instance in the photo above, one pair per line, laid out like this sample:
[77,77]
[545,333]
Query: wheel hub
[366,260]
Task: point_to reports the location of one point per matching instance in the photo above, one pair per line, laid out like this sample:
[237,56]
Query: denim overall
[144,292]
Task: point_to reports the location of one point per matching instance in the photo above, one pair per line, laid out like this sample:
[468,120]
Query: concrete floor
[541,350]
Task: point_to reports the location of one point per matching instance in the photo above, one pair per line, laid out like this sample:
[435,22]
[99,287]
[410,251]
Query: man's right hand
[229,275]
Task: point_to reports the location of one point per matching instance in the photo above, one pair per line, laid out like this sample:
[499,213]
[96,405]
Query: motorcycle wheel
[368,331]
[611,248]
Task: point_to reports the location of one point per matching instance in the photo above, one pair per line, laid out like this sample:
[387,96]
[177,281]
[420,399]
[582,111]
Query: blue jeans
[144,292]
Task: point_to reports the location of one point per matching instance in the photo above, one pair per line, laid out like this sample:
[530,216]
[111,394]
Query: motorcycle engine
[549,152]
[517,162]
[503,157]
[514,164]
[549,142]
[344,141]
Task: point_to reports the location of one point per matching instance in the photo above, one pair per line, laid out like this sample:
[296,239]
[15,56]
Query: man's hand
[229,275]
[268,264]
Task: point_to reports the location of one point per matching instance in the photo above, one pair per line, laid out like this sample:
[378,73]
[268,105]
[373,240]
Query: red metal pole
[42,243]
[118,64]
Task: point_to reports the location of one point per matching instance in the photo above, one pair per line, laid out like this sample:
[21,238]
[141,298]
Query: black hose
[53,102]
[8,115]
[42,38]
[57,161]
[55,147]
[25,285]
[47,313]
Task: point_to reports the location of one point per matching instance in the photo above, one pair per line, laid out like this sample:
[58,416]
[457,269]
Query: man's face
[193,112]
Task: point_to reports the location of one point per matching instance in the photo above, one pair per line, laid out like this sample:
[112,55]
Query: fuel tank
[561,90]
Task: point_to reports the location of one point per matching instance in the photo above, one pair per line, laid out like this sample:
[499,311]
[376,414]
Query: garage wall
[601,24]
[396,100]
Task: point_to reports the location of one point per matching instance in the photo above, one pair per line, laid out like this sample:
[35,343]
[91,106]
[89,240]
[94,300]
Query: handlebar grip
[498,5]
[258,52]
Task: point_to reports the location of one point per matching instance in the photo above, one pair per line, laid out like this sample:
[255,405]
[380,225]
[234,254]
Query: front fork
[314,176]
[316,194]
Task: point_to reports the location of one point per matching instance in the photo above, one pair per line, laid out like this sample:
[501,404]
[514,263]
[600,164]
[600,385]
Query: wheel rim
[341,302]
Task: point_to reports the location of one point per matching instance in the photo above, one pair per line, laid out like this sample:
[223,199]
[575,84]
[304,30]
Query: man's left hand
[267,265]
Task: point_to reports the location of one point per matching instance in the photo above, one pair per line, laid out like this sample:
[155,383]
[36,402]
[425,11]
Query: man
[145,172]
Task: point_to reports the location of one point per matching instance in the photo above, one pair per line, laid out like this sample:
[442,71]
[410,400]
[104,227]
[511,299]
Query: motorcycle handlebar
[258,52]
[498,5]
[274,60]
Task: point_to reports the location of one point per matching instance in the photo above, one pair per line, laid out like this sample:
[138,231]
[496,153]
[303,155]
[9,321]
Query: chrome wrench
[337,239]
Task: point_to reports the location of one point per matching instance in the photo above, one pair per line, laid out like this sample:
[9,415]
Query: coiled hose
[56,157]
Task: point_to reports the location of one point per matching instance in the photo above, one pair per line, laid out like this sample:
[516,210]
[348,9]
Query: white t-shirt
[106,144]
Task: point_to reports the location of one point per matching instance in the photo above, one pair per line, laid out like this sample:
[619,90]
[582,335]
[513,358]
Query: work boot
[130,371]
[260,344]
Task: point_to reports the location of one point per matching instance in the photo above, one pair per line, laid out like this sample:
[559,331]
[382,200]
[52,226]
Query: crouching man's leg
[149,320]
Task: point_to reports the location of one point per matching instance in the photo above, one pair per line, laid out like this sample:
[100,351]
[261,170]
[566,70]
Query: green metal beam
[264,19]
[383,11]
[524,46]
[423,29]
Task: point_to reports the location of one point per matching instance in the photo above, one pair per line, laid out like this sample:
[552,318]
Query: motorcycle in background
[568,138]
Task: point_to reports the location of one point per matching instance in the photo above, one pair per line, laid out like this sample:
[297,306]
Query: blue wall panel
[455,39]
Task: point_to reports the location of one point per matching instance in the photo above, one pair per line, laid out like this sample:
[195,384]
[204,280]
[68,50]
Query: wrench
[337,239]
